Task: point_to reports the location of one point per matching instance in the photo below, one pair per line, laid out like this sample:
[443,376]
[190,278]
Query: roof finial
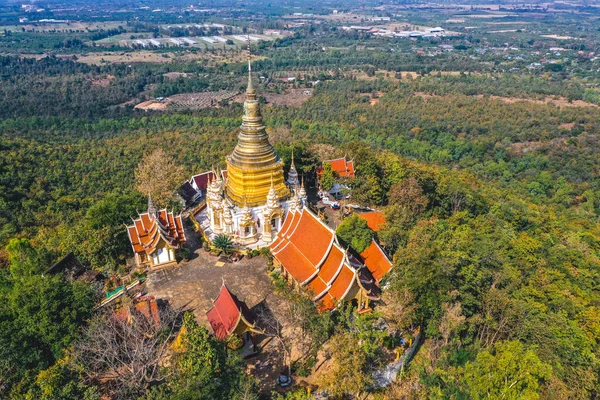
[293,158]
[151,208]
[250,89]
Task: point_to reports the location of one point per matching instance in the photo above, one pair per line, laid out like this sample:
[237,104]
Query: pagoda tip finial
[250,88]
[151,207]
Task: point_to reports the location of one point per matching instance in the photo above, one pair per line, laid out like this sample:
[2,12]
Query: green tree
[60,382]
[39,318]
[510,371]
[223,243]
[354,232]
[327,177]
[203,368]
[23,258]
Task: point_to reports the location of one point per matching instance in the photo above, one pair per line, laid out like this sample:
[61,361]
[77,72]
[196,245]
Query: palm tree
[223,243]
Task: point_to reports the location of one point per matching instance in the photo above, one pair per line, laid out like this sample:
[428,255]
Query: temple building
[249,200]
[309,256]
[342,167]
[155,236]
[230,316]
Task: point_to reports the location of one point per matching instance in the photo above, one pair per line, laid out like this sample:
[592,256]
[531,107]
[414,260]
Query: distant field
[124,36]
[554,100]
[217,41]
[65,27]
[148,56]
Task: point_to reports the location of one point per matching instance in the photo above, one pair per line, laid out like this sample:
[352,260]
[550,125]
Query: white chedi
[293,174]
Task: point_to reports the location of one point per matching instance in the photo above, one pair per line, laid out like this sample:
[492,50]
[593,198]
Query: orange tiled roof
[375,219]
[376,261]
[332,265]
[303,246]
[147,231]
[146,306]
[342,283]
[306,249]
[344,168]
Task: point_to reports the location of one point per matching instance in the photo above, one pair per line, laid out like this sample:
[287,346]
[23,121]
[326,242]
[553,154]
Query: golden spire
[250,92]
[253,161]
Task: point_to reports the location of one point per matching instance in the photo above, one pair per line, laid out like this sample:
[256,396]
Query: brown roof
[145,305]
[147,231]
[201,180]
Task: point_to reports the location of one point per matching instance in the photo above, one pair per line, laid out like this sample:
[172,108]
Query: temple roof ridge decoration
[293,173]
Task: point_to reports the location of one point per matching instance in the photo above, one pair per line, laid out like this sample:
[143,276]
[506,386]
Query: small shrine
[230,316]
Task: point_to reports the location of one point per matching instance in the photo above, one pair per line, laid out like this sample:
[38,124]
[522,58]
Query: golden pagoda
[253,163]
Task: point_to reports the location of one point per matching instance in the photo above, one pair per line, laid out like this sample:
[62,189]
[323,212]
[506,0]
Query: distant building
[345,169]
[436,30]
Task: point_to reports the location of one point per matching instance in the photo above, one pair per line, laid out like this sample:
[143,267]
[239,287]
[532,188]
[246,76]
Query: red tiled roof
[226,313]
[306,249]
[201,180]
[376,261]
[375,219]
[147,231]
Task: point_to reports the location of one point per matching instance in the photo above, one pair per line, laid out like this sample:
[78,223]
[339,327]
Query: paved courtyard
[195,284]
